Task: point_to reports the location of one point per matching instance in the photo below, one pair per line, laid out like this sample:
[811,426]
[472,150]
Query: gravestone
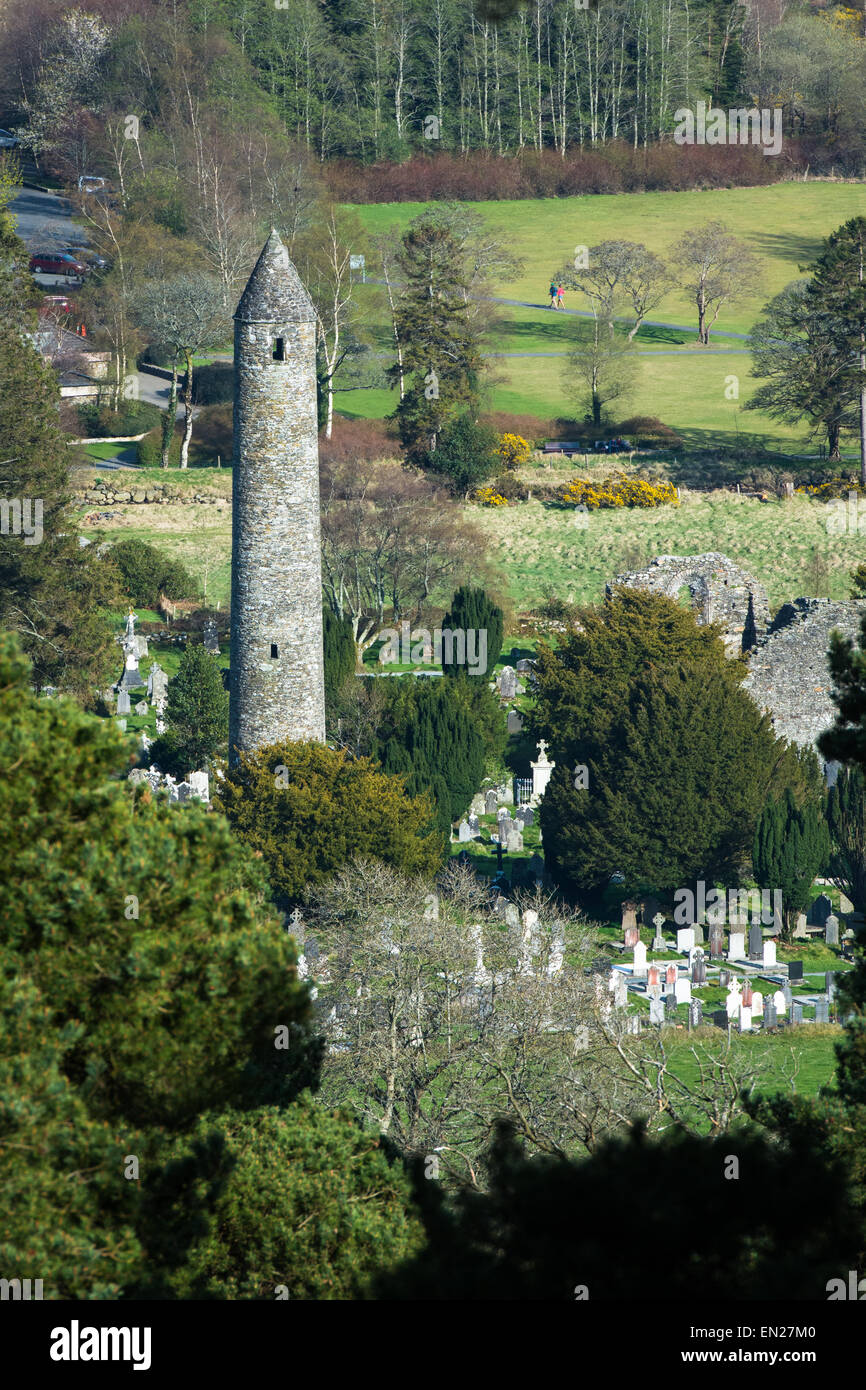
[491,801]
[671,975]
[820,910]
[756,942]
[157,684]
[685,939]
[618,985]
[831,931]
[670,1006]
[747,992]
[683,990]
[800,932]
[736,945]
[639,968]
[632,1024]
[507,683]
[657,1011]
[474,824]
[696,1013]
[632,937]
[745,1019]
[123,702]
[211,637]
[658,939]
[142,708]
[720,1018]
[512,916]
[629,916]
[830,984]
[788,997]
[199,785]
[796,1012]
[505,792]
[724,978]
[769,956]
[699,968]
[514,843]
[822,1009]
[770,1018]
[717,942]
[463,832]
[733,999]
[757,1002]
[780,1003]
[514,723]
[528,815]
[795,970]
[536,867]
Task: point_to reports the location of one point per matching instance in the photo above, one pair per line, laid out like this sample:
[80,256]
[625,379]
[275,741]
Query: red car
[57,263]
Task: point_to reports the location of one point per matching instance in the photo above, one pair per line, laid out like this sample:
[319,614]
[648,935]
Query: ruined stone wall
[720,593]
[788,675]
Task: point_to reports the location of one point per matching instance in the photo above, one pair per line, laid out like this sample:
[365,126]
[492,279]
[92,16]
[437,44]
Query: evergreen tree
[146,572]
[466,454]
[196,712]
[340,654]
[679,759]
[428,736]
[474,609]
[792,845]
[846,820]
[837,300]
[846,740]
[308,809]
[441,361]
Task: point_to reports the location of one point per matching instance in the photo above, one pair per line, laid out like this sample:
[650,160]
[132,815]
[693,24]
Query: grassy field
[683,385]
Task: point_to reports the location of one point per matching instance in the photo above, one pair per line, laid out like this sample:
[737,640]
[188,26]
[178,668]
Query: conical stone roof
[274,293]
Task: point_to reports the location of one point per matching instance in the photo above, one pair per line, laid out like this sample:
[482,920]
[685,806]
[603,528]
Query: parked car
[84,253]
[90,183]
[57,263]
[55,302]
[8,140]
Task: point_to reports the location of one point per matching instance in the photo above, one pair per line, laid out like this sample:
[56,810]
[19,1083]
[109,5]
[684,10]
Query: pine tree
[846,819]
[472,609]
[196,711]
[441,361]
[792,845]
[429,730]
[846,740]
[837,296]
[340,654]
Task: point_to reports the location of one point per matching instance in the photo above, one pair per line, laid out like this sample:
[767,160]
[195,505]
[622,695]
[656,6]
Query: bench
[563,446]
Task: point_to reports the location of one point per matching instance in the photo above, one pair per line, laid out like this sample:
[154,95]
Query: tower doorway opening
[279,349]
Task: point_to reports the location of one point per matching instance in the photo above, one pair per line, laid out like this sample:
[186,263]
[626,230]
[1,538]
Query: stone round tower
[277,688]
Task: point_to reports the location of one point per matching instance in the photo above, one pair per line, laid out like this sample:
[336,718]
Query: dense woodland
[383,80]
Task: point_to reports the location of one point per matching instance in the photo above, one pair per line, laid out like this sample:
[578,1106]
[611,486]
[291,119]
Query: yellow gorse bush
[834,487]
[514,450]
[489,497]
[618,491]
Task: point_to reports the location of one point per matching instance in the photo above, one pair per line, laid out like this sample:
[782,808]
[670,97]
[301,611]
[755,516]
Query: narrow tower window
[274,651]
[279,349]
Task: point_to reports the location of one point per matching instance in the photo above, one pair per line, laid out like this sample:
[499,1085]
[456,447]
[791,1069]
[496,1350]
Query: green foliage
[150,449]
[846,740]
[308,809]
[304,1199]
[52,593]
[465,454]
[680,761]
[427,735]
[148,572]
[846,820]
[214,384]
[836,296]
[792,845]
[547,1227]
[196,712]
[473,608]
[132,417]
[340,653]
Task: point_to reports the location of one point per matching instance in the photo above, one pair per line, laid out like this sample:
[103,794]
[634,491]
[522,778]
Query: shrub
[647,432]
[146,572]
[489,497]
[213,385]
[100,421]
[213,436]
[465,453]
[618,491]
[513,450]
[150,449]
[357,439]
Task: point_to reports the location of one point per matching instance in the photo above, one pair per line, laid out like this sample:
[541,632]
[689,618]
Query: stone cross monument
[276,686]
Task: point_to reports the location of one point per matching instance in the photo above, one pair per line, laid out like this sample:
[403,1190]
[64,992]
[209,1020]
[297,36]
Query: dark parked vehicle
[57,263]
[84,253]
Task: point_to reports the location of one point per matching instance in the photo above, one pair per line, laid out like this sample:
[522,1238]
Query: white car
[8,140]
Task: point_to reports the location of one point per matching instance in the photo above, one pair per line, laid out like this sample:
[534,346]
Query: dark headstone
[720,1018]
[795,970]
[670,1006]
[756,942]
[696,1013]
[717,942]
[820,910]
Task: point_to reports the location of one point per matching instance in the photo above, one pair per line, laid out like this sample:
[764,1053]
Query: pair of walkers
[557,294]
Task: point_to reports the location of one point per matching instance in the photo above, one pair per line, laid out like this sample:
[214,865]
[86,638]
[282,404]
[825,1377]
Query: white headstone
[737,945]
[683,989]
[685,939]
[639,964]
[769,952]
[757,1002]
[745,1017]
[780,1002]
[199,783]
[734,998]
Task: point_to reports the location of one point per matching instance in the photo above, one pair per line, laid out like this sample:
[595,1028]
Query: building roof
[274,292]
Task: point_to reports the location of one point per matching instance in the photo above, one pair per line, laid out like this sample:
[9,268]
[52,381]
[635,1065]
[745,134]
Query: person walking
[560,295]
[552,293]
